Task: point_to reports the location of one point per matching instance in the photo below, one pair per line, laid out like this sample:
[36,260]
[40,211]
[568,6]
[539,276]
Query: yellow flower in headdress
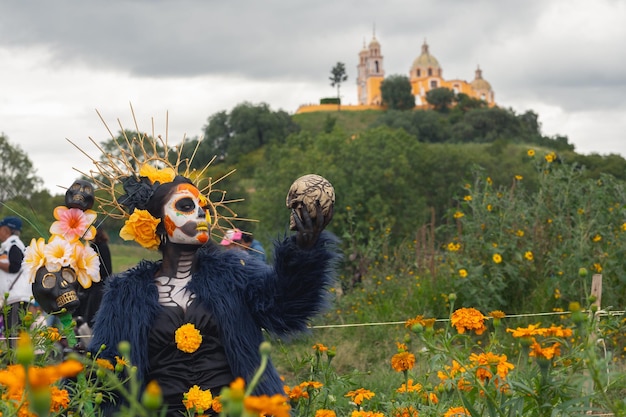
[86,264]
[141,227]
[34,257]
[157,175]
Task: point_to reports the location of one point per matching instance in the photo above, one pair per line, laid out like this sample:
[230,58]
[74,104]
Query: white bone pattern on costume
[172,290]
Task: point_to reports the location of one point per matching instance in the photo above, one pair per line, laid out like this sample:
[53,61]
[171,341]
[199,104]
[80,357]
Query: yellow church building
[424,75]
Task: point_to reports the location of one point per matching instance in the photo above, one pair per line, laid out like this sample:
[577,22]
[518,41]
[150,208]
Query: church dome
[479,83]
[425,64]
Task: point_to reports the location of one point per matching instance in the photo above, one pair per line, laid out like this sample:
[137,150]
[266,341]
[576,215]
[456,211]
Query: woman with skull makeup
[222,299]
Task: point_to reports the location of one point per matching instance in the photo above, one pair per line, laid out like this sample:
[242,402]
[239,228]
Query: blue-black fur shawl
[243,294]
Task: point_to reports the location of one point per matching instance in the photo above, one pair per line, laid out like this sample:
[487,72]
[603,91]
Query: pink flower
[73,224]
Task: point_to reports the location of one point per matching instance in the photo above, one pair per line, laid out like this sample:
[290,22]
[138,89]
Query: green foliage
[18,177]
[396,93]
[440,98]
[337,76]
[330,100]
[246,128]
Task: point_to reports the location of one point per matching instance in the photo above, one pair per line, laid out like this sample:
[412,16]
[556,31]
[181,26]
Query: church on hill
[425,74]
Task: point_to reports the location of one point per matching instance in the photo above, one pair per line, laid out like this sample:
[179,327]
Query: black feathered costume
[241,295]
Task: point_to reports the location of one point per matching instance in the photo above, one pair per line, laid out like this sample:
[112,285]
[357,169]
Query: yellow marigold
[530,331]
[623,227]
[558,331]
[197,399]
[453,247]
[325,413]
[597,267]
[188,338]
[489,181]
[402,361]
[520,233]
[497,314]
[550,157]
[104,363]
[489,207]
[412,322]
[458,215]
[457,411]
[547,352]
[276,405]
[59,399]
[318,347]
[597,238]
[467,198]
[357,396]
[216,405]
[531,152]
[409,387]
[141,227]
[519,177]
[463,273]
[497,258]
[157,175]
[52,334]
[405,412]
[363,413]
[468,319]
[529,256]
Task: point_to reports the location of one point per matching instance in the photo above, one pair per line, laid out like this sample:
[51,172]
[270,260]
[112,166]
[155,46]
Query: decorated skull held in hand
[80,195]
[308,189]
[56,290]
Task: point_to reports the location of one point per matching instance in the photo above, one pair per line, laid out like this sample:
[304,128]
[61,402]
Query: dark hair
[247,237]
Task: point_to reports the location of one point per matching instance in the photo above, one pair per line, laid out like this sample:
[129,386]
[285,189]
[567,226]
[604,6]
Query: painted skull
[56,290]
[185,216]
[306,191]
[80,195]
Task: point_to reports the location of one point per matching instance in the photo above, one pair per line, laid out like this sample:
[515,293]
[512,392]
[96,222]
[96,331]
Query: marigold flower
[550,157]
[497,258]
[405,412]
[197,399]
[217,404]
[318,347]
[325,413]
[52,334]
[497,314]
[463,273]
[403,361]
[530,331]
[409,387]
[457,412]
[363,413]
[141,227]
[488,360]
[276,405]
[531,152]
[359,395]
[468,319]
[458,215]
[412,322]
[529,256]
[547,352]
[188,338]
[157,175]
[296,392]
[519,177]
[104,363]
[467,198]
[59,399]
[558,331]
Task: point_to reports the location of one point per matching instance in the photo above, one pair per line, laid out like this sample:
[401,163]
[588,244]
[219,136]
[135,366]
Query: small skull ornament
[56,290]
[80,195]
[308,189]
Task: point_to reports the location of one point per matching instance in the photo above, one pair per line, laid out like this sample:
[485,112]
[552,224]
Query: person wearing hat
[12,281]
[235,238]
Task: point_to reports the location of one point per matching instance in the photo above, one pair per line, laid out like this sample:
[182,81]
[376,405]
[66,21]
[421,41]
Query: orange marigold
[468,319]
[188,338]
[403,361]
[409,387]
[276,405]
[530,331]
[325,413]
[457,412]
[359,395]
[547,352]
[405,412]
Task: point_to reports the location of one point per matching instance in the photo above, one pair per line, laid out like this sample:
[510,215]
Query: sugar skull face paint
[186,217]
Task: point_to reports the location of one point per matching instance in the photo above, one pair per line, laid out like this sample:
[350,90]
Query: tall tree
[396,93]
[337,76]
[440,98]
[18,175]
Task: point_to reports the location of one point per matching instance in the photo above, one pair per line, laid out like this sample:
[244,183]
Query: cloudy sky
[187,59]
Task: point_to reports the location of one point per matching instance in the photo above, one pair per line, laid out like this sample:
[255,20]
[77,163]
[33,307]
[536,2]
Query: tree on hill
[18,175]
[337,76]
[396,93]
[246,128]
[441,99]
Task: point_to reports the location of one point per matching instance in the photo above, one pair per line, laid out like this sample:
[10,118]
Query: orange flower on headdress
[157,175]
[73,224]
[141,227]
